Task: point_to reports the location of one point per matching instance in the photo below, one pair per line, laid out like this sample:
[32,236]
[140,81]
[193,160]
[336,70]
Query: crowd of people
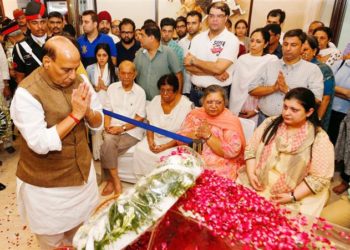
[190,80]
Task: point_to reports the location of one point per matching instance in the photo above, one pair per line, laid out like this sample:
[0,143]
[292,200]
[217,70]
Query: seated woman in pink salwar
[290,158]
[220,130]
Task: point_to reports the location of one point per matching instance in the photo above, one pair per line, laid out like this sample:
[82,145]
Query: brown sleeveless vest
[71,165]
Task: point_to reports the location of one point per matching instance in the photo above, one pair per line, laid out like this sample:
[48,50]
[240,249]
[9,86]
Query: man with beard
[55,23]
[19,16]
[180,27]
[193,22]
[91,38]
[28,54]
[128,46]
[104,25]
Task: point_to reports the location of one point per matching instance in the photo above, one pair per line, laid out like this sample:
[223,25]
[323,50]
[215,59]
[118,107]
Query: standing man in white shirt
[289,72]
[212,53]
[56,180]
[129,99]
[193,24]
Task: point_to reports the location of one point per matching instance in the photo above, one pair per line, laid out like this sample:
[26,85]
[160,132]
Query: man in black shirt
[28,54]
[275,48]
[127,47]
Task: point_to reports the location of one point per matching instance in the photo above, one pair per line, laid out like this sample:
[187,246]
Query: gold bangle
[206,139]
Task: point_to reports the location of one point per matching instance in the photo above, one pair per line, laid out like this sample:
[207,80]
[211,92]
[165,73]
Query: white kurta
[50,210]
[144,160]
[246,69]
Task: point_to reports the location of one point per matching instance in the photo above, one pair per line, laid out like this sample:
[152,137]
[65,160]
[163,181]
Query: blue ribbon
[152,128]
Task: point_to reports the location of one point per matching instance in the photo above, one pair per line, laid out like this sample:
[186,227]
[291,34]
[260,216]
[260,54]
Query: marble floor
[14,234]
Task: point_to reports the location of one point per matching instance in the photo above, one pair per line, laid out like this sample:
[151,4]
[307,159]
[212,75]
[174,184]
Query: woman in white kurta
[328,55]
[167,111]
[246,70]
[101,75]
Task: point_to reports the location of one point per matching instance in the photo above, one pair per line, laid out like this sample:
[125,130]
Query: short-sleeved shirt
[150,70]
[223,46]
[28,64]
[126,103]
[329,83]
[300,74]
[126,54]
[87,48]
[342,79]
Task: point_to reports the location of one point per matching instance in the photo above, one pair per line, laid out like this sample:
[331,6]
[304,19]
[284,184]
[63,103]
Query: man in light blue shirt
[278,77]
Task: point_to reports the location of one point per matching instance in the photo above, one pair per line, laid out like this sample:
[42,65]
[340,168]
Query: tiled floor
[14,234]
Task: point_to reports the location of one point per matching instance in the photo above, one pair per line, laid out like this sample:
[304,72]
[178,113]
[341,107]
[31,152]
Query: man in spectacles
[181,29]
[127,46]
[212,54]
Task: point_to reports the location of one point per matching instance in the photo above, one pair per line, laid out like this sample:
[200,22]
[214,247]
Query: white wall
[345,34]
[299,13]
[9,7]
[137,10]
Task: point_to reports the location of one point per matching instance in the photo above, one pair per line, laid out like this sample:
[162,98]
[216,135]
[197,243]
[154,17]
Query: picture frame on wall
[59,6]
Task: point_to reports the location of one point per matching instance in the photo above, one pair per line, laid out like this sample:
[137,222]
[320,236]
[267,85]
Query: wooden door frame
[337,19]
[2,9]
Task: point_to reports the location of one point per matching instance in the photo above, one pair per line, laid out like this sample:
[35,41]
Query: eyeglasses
[212,16]
[181,26]
[216,102]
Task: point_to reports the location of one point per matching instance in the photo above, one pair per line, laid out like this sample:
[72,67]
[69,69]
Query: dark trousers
[333,131]
[334,124]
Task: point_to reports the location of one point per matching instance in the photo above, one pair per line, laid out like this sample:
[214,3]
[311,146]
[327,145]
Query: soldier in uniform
[28,54]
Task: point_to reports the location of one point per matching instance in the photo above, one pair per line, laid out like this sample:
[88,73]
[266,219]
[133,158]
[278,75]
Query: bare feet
[117,188]
[342,187]
[108,189]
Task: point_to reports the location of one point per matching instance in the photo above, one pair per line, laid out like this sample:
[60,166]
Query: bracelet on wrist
[208,137]
[76,120]
[293,199]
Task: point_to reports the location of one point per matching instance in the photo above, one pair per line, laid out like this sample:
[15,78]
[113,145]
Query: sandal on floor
[108,189]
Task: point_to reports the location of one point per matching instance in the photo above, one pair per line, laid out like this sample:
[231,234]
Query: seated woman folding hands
[290,158]
[167,110]
[220,130]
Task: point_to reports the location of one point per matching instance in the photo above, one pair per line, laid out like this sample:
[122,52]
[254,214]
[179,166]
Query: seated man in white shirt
[129,99]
